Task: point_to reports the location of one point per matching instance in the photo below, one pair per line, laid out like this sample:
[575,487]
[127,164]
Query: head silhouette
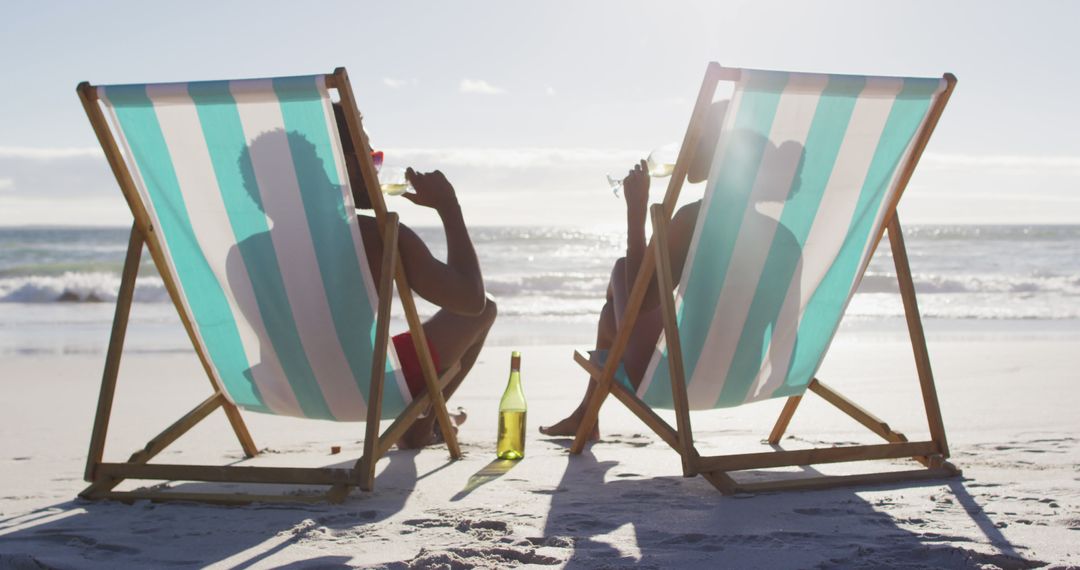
[304,168]
[780,173]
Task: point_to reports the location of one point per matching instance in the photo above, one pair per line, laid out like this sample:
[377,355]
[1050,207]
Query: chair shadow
[108,532]
[979,517]
[685,522]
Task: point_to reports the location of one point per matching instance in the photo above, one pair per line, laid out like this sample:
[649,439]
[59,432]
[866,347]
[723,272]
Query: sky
[527,106]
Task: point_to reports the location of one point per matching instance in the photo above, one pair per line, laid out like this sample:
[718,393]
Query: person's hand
[636,191]
[432,190]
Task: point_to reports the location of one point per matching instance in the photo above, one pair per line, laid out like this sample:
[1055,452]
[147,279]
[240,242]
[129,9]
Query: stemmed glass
[661,163]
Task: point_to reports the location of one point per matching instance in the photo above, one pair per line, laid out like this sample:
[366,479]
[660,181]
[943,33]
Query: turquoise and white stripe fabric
[246,187]
[804,171]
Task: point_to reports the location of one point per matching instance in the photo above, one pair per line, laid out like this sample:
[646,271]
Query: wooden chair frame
[932,454]
[105,476]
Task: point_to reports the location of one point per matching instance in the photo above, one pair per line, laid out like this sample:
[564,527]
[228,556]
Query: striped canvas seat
[806,168]
[246,188]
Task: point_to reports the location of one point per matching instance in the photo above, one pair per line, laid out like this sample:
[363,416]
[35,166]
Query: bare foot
[460,417]
[420,434]
[455,419]
[569,427]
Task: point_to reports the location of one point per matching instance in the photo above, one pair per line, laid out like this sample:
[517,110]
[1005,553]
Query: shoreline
[32,329]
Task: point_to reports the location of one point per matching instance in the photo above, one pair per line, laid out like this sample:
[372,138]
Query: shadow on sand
[601,514]
[684,522]
[108,533]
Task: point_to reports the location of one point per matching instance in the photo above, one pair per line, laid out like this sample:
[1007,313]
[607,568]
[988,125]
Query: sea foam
[77,287]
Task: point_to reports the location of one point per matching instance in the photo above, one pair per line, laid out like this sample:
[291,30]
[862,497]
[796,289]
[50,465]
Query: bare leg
[605,336]
[456,338]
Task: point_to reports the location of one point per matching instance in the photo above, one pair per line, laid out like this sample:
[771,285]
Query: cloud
[398,83]
[550,90]
[14,152]
[72,211]
[52,173]
[1003,162]
[515,158]
[479,86]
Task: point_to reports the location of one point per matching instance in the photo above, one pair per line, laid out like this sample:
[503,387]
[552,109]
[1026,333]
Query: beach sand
[1009,404]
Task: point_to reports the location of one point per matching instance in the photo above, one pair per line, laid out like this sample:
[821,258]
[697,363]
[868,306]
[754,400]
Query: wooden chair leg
[784,420]
[592,413]
[366,465]
[665,284]
[918,337]
[115,351]
[240,429]
[427,365]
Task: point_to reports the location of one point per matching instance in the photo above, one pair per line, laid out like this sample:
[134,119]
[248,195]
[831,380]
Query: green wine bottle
[512,409]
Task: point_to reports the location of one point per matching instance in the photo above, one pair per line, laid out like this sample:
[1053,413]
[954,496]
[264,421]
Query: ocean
[58,285]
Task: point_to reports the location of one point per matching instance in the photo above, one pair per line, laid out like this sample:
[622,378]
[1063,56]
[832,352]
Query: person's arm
[636,192]
[456,285]
[680,232]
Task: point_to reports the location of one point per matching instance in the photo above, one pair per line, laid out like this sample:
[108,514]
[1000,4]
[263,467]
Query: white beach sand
[1009,403]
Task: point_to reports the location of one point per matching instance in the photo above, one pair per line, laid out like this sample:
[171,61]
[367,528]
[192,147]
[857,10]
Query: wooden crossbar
[177,429]
[768,459]
[212,498]
[870,421]
[230,473]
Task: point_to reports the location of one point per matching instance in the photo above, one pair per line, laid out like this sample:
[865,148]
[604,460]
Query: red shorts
[410,362]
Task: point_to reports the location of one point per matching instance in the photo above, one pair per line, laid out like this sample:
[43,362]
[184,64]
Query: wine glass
[392,180]
[661,163]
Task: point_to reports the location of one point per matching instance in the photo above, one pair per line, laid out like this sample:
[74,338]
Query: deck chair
[806,178]
[240,192]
